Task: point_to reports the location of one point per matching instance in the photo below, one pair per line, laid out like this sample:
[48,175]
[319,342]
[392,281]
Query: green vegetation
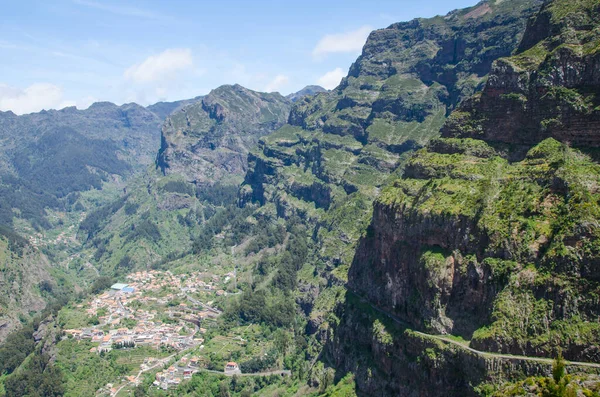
[520,213]
[64,156]
[85,372]
[94,221]
[528,230]
[38,377]
[560,384]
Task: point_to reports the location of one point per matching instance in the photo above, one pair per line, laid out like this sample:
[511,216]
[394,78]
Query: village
[159,310]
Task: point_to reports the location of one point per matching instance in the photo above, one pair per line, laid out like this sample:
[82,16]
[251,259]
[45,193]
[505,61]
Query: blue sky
[74,52]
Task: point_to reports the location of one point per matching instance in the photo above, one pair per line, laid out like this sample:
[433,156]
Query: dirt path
[268,373]
[481,353]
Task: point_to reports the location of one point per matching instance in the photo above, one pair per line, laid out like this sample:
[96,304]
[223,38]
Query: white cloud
[161,66]
[33,98]
[279,81]
[342,42]
[331,79]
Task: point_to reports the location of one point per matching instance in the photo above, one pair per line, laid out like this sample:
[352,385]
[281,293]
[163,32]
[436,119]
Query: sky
[62,53]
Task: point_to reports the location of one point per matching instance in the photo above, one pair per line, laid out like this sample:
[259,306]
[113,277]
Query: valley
[428,227]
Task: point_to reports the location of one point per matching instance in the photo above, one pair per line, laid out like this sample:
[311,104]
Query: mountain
[309,90]
[549,87]
[491,233]
[160,216]
[47,161]
[133,128]
[164,109]
[50,155]
[340,147]
[429,227]
[209,140]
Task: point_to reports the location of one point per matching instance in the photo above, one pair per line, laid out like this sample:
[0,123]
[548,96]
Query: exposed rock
[485,235]
[549,88]
[394,99]
[388,360]
[209,140]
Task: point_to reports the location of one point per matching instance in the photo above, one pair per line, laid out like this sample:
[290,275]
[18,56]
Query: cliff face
[340,147]
[548,89]
[390,360]
[492,231]
[501,253]
[209,140]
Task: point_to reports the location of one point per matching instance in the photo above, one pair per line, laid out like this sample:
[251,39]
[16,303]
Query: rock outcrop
[492,231]
[209,141]
[340,147]
[329,162]
[549,89]
[390,360]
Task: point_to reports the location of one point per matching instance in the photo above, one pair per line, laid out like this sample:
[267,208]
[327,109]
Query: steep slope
[155,220]
[26,281]
[159,217]
[339,148]
[492,232]
[550,88]
[49,155]
[209,140]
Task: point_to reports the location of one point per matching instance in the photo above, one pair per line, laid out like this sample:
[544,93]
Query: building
[232,368]
[119,286]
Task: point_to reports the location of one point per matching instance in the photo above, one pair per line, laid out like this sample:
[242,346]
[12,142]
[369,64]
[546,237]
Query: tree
[224,389]
[282,341]
[558,368]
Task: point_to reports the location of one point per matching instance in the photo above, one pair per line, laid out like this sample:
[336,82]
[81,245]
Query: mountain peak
[209,140]
[102,105]
[308,90]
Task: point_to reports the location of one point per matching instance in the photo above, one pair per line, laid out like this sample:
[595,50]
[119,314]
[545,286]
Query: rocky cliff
[210,140]
[548,89]
[339,147]
[491,233]
[329,162]
[388,359]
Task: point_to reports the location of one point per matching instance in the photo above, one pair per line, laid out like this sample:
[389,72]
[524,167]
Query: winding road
[281,372]
[479,352]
